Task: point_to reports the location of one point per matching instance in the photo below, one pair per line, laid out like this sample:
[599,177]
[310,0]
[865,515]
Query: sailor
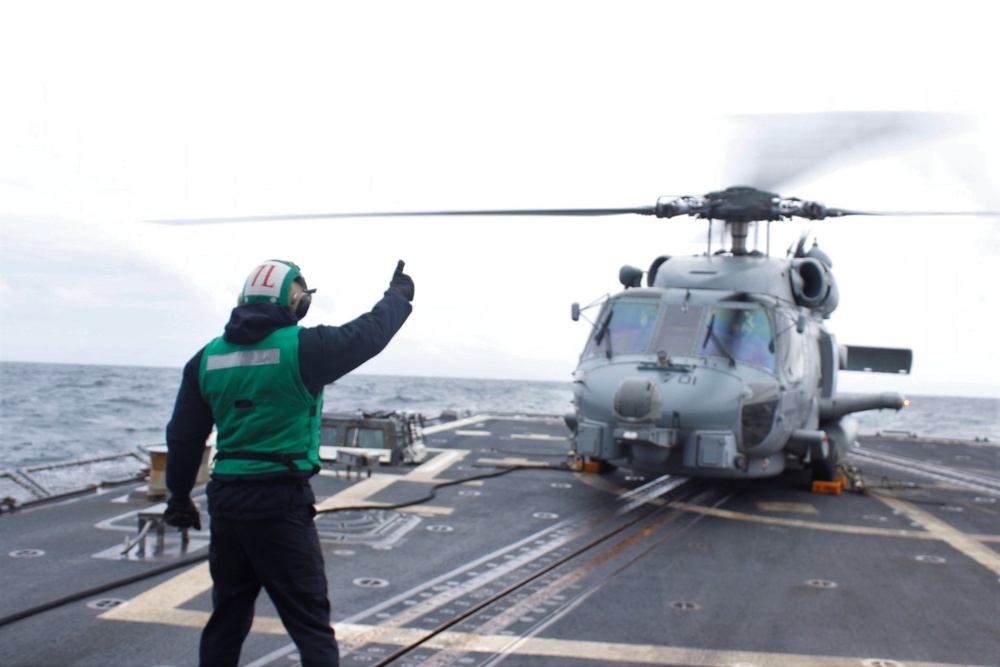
[261,385]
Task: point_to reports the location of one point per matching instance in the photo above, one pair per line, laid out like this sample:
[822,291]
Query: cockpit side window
[743,335]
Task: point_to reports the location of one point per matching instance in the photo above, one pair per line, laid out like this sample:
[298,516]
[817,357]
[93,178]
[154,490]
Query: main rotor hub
[740,204]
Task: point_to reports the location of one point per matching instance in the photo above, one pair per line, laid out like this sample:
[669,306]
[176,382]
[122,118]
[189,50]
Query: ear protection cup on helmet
[300,301]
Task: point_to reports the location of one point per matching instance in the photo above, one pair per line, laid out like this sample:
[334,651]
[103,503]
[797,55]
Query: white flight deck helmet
[272,282]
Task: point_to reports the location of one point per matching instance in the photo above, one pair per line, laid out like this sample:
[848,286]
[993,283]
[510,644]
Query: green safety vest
[267,421]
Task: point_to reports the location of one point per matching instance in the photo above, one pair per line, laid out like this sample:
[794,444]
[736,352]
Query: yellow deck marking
[162,604]
[448,426]
[798,523]
[799,508]
[966,544]
[155,606]
[513,461]
[537,436]
[476,419]
[427,471]
[428,509]
[359,492]
[652,654]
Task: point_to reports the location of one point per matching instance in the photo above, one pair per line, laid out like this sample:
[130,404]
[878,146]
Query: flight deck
[493,551]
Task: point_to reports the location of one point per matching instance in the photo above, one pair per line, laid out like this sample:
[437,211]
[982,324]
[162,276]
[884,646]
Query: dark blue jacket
[326,353]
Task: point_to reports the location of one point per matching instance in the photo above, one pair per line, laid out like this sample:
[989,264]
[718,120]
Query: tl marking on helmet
[269,283]
[260,269]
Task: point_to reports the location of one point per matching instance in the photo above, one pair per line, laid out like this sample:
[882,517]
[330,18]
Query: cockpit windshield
[627,327]
[740,334]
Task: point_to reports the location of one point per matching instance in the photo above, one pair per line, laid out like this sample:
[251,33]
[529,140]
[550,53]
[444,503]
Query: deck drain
[874,517]
[685,606]
[105,603]
[26,553]
[821,583]
[934,560]
[343,552]
[440,528]
[984,499]
[470,492]
[880,662]
[370,582]
[561,485]
[634,478]
[545,515]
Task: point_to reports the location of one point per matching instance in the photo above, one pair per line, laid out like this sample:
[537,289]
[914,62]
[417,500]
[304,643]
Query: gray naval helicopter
[721,365]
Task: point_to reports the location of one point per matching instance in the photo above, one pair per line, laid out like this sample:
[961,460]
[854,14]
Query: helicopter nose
[638,399]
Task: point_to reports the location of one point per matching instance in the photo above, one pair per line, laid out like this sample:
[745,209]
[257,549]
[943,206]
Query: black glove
[182,513]
[401,282]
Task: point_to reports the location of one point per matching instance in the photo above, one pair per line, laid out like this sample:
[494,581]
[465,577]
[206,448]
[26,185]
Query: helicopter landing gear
[824,469]
[583,464]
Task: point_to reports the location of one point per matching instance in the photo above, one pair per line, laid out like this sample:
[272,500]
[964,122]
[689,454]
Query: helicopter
[721,365]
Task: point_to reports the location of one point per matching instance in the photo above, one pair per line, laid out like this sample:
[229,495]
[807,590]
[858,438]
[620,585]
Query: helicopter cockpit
[737,333]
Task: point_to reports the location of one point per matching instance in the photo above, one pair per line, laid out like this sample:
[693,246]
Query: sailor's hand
[182,513]
[401,282]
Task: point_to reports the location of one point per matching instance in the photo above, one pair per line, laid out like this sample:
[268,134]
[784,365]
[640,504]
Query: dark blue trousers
[284,557]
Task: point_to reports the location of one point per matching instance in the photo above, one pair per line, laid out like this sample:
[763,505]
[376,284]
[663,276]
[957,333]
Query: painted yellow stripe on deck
[798,523]
[159,605]
[966,544]
[359,492]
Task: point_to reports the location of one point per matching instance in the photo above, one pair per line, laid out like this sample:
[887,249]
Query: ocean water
[57,412]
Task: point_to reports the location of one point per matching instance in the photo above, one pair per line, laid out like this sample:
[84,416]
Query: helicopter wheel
[825,469]
[598,466]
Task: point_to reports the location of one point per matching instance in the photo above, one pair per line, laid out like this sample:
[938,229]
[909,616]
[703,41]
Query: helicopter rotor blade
[565,212]
[774,151]
[841,212]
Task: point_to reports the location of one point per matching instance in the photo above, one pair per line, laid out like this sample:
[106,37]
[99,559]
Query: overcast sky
[117,113]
